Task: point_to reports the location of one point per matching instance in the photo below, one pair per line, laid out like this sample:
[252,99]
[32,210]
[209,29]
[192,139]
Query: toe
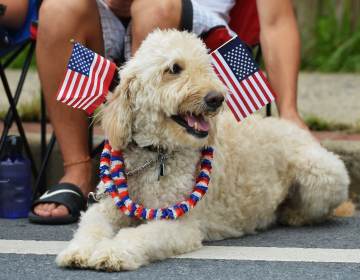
[40,210]
[44,209]
[60,211]
[48,207]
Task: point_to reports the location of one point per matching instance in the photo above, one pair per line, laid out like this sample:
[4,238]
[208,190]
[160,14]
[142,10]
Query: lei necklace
[112,174]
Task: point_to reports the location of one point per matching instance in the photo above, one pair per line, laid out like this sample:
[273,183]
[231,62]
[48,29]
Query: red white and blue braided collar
[113,176]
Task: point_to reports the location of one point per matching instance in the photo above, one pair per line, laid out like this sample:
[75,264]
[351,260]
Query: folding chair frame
[12,113]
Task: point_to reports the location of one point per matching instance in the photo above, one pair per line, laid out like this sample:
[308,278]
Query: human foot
[79,175]
[295,118]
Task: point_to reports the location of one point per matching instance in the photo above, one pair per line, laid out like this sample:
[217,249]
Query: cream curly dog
[264,170]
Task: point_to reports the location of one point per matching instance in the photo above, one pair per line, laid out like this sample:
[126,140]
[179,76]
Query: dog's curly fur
[264,171]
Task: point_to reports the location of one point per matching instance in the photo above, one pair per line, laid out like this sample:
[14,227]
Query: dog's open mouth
[195,125]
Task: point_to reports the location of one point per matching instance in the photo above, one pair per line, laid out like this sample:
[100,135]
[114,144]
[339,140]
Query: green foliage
[29,112]
[318,124]
[19,61]
[335,46]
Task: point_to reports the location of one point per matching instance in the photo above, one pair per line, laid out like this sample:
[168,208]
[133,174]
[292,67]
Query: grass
[335,42]
[318,124]
[29,112]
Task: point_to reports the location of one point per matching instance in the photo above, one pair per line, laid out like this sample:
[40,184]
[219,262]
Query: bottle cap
[13,145]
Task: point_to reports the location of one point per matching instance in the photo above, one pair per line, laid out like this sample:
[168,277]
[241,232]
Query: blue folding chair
[13,43]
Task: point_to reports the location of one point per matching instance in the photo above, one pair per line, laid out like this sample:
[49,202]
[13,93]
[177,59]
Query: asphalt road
[327,238]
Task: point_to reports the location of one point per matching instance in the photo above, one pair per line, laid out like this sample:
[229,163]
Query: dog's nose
[214,100]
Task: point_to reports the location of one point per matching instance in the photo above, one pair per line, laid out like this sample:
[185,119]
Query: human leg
[53,50]
[149,15]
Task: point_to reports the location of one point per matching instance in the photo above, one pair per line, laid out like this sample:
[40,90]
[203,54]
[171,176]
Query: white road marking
[208,252]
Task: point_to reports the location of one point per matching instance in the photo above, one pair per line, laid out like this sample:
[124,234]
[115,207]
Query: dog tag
[162,160]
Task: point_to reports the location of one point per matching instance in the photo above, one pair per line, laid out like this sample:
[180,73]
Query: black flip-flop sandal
[65,194]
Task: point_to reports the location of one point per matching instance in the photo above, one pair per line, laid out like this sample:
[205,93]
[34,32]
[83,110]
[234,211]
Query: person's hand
[121,8]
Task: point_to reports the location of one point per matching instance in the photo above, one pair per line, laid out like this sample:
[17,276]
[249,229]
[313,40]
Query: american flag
[249,89]
[87,79]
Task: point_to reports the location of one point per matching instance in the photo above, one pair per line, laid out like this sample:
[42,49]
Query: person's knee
[55,16]
[166,12]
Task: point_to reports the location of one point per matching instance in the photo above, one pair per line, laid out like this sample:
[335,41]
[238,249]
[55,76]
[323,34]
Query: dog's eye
[175,69]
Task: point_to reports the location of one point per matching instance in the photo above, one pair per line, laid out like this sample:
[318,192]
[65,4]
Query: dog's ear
[117,115]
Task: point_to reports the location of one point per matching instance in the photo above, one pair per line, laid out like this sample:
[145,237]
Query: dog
[265,171]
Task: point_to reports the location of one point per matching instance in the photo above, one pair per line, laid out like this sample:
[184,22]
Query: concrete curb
[349,151]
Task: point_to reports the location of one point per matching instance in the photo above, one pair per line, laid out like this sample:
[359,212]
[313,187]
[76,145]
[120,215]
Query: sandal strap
[66,194]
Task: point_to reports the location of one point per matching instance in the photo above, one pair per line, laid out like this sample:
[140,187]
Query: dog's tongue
[201,125]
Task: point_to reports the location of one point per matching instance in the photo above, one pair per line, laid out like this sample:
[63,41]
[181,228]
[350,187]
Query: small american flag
[249,89]
[87,79]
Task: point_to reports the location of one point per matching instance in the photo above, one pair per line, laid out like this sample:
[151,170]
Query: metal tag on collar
[161,159]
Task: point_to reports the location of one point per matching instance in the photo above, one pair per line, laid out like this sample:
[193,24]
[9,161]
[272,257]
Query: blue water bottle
[15,181]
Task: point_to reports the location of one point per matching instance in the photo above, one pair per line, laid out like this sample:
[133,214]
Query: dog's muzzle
[197,124]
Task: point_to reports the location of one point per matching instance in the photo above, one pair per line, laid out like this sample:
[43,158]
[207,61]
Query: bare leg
[60,21]
[280,43]
[148,15]
[15,14]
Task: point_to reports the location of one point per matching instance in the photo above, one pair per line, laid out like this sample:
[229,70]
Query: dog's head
[168,95]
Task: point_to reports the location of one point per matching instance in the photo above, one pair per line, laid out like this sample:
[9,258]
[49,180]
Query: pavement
[327,251]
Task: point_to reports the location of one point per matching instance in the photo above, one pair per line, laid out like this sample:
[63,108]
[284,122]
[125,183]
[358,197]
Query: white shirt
[221,7]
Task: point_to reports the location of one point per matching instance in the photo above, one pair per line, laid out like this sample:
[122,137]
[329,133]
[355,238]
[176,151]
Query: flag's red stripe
[257,96]
[97,86]
[108,78]
[261,89]
[237,91]
[232,110]
[268,86]
[67,87]
[234,99]
[92,89]
[87,93]
[63,84]
[264,79]
[230,96]
[243,114]
[249,94]
[76,84]
[81,91]
[76,90]
[218,74]
[84,92]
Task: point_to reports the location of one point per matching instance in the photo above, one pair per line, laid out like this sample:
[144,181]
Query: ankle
[79,175]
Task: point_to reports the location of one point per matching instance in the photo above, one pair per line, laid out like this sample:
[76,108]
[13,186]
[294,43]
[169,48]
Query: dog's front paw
[115,256]
[74,255]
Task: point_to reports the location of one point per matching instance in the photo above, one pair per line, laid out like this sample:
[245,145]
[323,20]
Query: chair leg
[39,187]
[17,121]
[9,116]
[43,123]
[14,55]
